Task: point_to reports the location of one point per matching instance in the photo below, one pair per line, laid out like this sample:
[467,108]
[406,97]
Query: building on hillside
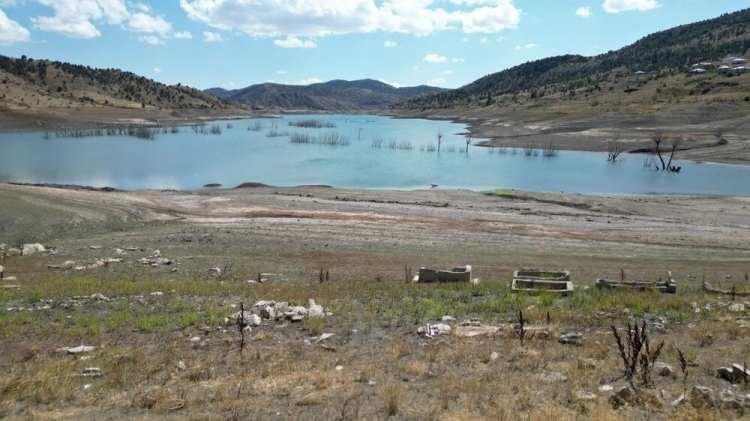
[698,70]
[738,61]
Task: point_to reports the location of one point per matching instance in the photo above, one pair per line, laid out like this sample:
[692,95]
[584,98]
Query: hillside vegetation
[336,95]
[665,57]
[29,84]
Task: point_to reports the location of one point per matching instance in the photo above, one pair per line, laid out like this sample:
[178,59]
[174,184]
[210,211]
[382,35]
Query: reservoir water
[357,151]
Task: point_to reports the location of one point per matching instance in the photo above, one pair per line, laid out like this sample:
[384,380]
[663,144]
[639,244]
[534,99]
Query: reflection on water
[347,151]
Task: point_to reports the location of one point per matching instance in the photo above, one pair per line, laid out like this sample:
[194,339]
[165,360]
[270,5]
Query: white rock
[81,349]
[324,336]
[494,356]
[315,310]
[737,307]
[606,388]
[431,331]
[92,372]
[447,319]
[181,365]
[156,294]
[339,367]
[29,249]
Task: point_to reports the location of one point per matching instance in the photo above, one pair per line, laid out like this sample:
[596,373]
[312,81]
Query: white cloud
[11,32]
[81,18]
[157,70]
[526,46]
[144,23]
[281,72]
[435,58]
[447,72]
[583,12]
[457,60]
[317,18]
[438,81]
[150,40]
[75,18]
[390,44]
[183,35]
[617,6]
[212,37]
[294,42]
[484,40]
[307,81]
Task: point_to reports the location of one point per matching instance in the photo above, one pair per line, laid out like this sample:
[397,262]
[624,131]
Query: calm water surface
[188,160]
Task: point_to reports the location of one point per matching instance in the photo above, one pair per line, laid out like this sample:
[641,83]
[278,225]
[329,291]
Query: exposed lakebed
[350,151]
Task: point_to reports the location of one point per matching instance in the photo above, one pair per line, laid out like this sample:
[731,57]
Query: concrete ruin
[537,282]
[666,287]
[458,274]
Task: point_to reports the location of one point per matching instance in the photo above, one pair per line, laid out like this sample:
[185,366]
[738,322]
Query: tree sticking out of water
[327,139]
[140,132]
[614,150]
[276,133]
[312,124]
[256,126]
[666,164]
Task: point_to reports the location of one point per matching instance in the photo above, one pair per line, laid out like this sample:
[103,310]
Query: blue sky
[235,43]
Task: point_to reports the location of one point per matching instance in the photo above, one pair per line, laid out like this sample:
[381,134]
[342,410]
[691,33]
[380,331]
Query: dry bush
[391,396]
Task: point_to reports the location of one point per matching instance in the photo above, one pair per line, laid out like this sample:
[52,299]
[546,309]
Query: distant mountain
[29,84]
[336,95]
[656,56]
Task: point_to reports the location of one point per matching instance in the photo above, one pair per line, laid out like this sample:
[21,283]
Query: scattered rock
[215,271]
[606,388]
[448,319]
[734,374]
[315,310]
[664,370]
[30,249]
[624,396]
[324,336]
[75,350]
[181,365]
[587,363]
[474,331]
[92,372]
[553,377]
[737,307]
[431,331]
[679,401]
[156,294]
[295,313]
[99,297]
[494,356]
[701,397]
[250,319]
[95,247]
[571,338]
[583,395]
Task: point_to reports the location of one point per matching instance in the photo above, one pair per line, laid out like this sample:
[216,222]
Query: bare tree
[658,139]
[675,144]
[614,150]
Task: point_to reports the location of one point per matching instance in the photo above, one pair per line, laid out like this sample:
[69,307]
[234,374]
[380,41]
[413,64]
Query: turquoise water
[188,160]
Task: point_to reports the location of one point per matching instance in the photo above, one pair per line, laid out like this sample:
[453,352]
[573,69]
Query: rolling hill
[335,95]
[29,85]
[658,56]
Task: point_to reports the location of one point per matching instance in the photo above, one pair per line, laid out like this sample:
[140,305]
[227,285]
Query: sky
[236,43]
